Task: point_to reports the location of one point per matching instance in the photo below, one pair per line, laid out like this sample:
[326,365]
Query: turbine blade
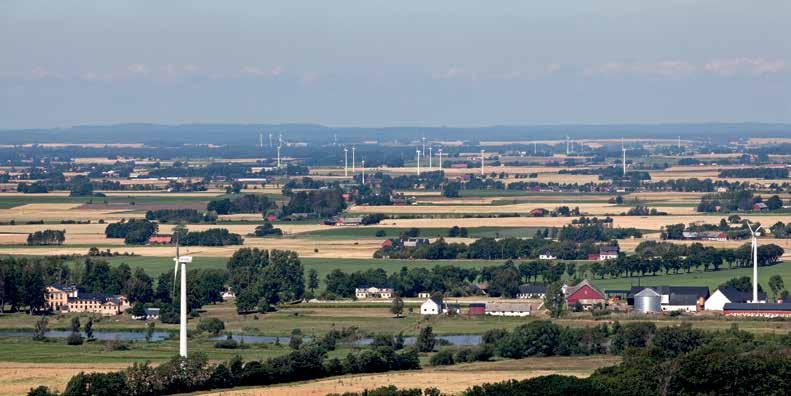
[175,276]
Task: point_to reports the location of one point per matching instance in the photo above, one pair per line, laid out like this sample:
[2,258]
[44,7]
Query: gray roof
[757,307]
[735,295]
[532,289]
[697,291]
[647,292]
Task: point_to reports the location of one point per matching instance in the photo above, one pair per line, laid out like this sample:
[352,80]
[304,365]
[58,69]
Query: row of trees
[180,216]
[185,375]
[247,203]
[491,249]
[134,231]
[262,278]
[47,237]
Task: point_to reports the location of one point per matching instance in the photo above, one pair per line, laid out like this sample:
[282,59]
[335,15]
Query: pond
[99,335]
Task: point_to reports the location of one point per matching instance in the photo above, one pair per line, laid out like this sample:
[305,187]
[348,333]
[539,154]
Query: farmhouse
[757,310]
[676,298]
[546,255]
[584,293]
[705,235]
[531,291]
[508,309]
[373,292]
[432,306]
[349,221]
[728,295]
[160,239]
[538,212]
[605,253]
[415,242]
[150,314]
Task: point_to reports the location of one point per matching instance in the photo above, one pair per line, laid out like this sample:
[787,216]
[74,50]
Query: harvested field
[358,248]
[18,378]
[586,208]
[641,222]
[450,379]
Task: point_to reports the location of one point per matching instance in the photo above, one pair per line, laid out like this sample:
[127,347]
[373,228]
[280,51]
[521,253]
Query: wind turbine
[754,245]
[439,154]
[363,169]
[482,165]
[418,161]
[430,154]
[353,148]
[345,162]
[182,261]
[278,156]
[623,149]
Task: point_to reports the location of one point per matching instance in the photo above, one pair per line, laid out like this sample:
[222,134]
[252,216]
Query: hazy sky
[372,63]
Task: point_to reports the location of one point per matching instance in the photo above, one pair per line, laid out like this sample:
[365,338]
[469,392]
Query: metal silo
[647,301]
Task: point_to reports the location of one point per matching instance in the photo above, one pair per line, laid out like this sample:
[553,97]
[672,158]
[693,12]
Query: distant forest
[247,134]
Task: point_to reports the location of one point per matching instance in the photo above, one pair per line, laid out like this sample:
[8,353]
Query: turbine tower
[424,145]
[261,140]
[623,149]
[363,169]
[754,245]
[418,161]
[345,162]
[439,154]
[353,148]
[567,144]
[278,156]
[182,261]
[482,164]
[430,154]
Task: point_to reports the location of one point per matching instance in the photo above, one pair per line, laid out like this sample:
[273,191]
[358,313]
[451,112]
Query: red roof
[160,239]
[584,293]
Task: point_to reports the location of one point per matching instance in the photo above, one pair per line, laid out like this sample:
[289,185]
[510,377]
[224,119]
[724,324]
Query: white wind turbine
[182,261]
[754,246]
[623,149]
[345,162]
[418,161]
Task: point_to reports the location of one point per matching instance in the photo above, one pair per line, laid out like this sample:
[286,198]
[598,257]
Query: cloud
[308,78]
[137,68]
[453,73]
[741,66]
[667,68]
[40,73]
[259,72]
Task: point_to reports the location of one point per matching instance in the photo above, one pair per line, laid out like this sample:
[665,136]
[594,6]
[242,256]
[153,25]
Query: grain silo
[647,301]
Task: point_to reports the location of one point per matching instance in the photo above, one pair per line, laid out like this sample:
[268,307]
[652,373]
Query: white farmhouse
[727,295]
[432,306]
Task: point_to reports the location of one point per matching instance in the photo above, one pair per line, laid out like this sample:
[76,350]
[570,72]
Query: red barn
[477,309]
[585,294]
[160,239]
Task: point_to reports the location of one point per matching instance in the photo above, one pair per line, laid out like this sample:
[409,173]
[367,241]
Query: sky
[394,63]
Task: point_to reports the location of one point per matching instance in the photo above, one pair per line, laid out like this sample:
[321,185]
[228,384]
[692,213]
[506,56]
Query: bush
[442,358]
[211,325]
[74,338]
[228,343]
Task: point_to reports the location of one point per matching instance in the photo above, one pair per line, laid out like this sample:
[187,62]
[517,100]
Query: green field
[55,350]
[712,279]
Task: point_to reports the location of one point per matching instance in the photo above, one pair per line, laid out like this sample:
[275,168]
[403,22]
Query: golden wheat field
[18,378]
[450,379]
